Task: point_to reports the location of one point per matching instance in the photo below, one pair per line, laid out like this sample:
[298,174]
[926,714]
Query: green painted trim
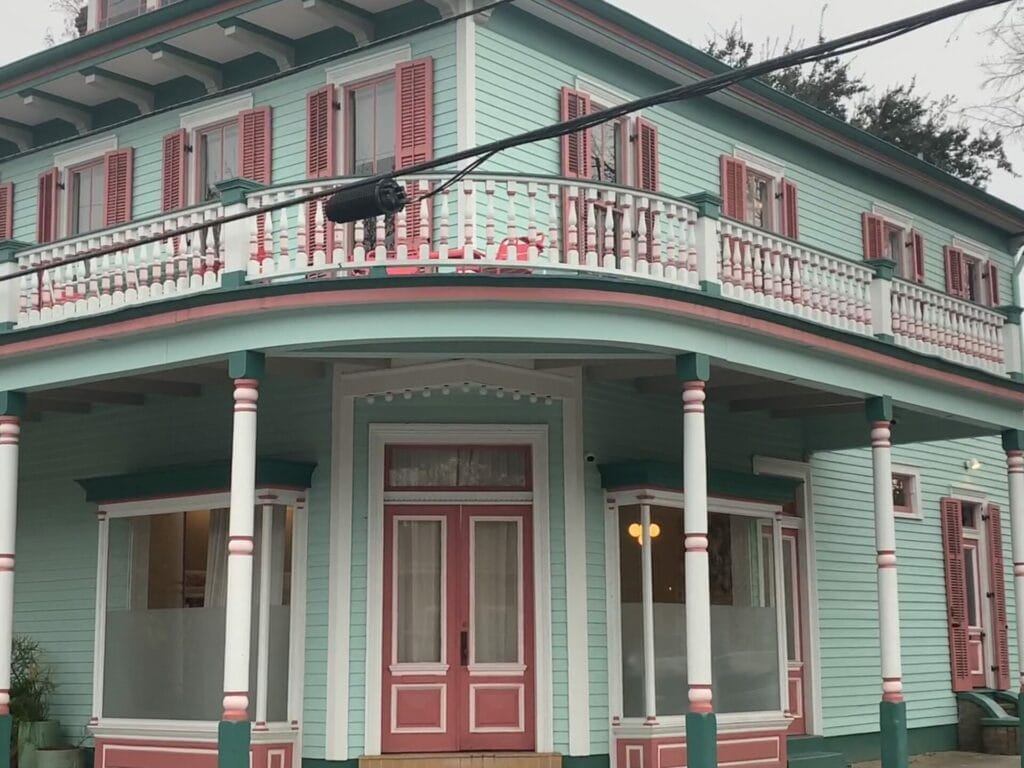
[711,288]
[987,703]
[886,338]
[708,204]
[236,191]
[701,740]
[892,717]
[859,747]
[5,741]
[878,408]
[318,762]
[230,281]
[1020,726]
[693,367]
[1016,376]
[12,404]
[9,250]
[247,365]
[1011,313]
[884,268]
[721,482]
[233,744]
[1013,440]
[589,761]
[625,286]
[188,480]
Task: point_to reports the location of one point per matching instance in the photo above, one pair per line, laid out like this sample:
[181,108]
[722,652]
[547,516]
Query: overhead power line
[847,44]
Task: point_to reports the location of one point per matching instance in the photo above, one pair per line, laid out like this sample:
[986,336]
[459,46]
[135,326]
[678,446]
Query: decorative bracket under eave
[259,39]
[115,86]
[361,27]
[48,107]
[180,63]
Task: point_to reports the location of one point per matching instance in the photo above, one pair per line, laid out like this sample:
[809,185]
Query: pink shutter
[992,277]
[254,126]
[790,220]
[647,156]
[917,246]
[119,173]
[174,195]
[7,211]
[414,140]
[873,234]
[321,114]
[734,187]
[956,592]
[46,206]
[956,282]
[997,579]
[576,149]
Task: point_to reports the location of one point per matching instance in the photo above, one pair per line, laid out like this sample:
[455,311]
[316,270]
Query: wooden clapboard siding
[56,545]
[458,408]
[524,64]
[847,590]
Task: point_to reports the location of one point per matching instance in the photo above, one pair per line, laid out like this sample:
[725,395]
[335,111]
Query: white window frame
[916,509]
[352,72]
[196,120]
[899,219]
[774,169]
[109,726]
[83,153]
[982,254]
[608,96]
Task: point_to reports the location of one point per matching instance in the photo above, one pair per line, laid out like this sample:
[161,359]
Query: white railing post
[709,244]
[9,289]
[236,236]
[1013,353]
[881,299]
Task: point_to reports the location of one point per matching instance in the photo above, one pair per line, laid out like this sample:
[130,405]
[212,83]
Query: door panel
[458,629]
[794,631]
[975,615]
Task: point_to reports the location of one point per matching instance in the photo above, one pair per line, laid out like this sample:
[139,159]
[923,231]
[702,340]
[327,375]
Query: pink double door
[458,629]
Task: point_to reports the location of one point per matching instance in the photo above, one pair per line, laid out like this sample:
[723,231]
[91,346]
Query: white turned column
[695,524]
[238,620]
[102,554]
[263,629]
[1015,477]
[885,547]
[10,430]
[647,580]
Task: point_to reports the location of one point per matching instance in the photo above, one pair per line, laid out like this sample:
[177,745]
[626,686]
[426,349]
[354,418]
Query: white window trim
[916,508]
[969,493]
[69,158]
[760,162]
[895,216]
[354,71]
[608,95]
[196,119]
[972,248]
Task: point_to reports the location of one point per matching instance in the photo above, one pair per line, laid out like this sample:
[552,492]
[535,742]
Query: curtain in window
[419,559]
[217,560]
[496,591]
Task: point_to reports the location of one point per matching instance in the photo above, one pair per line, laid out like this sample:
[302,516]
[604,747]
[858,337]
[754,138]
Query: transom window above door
[444,467]
[371,126]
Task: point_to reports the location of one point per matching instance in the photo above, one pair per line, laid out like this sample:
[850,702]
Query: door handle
[464,648]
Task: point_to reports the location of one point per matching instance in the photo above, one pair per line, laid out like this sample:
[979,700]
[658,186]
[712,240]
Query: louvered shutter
[119,170]
[956,278]
[321,139]
[46,206]
[7,211]
[997,579]
[254,127]
[790,220]
[414,94]
[576,150]
[992,278]
[648,169]
[873,234]
[175,171]
[917,246]
[734,187]
[956,592]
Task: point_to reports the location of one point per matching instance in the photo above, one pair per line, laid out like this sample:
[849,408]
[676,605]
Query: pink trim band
[694,397]
[881,434]
[886,558]
[701,699]
[247,393]
[240,545]
[696,542]
[10,429]
[650,720]
[236,704]
[1015,462]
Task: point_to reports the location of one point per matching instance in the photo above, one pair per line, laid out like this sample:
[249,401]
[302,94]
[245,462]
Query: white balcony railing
[498,226]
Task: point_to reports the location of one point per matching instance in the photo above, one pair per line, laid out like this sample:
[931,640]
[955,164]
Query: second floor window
[113,11]
[606,153]
[217,148]
[761,200]
[86,197]
[972,277]
[894,240]
[757,195]
[371,126]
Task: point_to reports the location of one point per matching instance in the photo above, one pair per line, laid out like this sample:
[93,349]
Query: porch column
[1013,444]
[893,709]
[647,577]
[12,408]
[246,368]
[701,726]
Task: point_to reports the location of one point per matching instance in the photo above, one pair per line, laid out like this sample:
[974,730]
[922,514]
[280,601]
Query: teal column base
[233,744]
[1020,728]
[230,280]
[6,747]
[701,740]
[892,720]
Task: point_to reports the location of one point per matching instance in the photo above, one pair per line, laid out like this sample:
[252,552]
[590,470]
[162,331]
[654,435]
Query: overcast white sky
[945,58]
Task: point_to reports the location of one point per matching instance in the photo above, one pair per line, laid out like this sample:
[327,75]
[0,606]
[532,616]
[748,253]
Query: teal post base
[701,740]
[5,741]
[233,743]
[892,718]
[1020,727]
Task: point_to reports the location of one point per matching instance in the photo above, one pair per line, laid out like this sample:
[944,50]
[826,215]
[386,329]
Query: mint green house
[694,440]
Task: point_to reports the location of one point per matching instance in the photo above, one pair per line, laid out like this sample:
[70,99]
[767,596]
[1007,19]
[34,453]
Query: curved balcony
[496,225]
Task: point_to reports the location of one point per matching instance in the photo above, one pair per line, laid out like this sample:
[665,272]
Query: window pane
[967,514]
[363,128]
[419,564]
[480,467]
[385,127]
[79,204]
[792,599]
[229,167]
[971,585]
[98,177]
[759,192]
[901,491]
[495,591]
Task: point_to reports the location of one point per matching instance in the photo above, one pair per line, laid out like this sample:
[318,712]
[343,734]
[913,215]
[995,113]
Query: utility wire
[838,47]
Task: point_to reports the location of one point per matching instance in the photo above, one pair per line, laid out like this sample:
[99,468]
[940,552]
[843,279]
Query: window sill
[180,730]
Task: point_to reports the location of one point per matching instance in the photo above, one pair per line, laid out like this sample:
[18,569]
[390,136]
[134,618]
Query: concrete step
[802,745]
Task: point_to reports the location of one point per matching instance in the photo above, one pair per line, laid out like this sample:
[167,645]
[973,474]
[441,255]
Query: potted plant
[31,686]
